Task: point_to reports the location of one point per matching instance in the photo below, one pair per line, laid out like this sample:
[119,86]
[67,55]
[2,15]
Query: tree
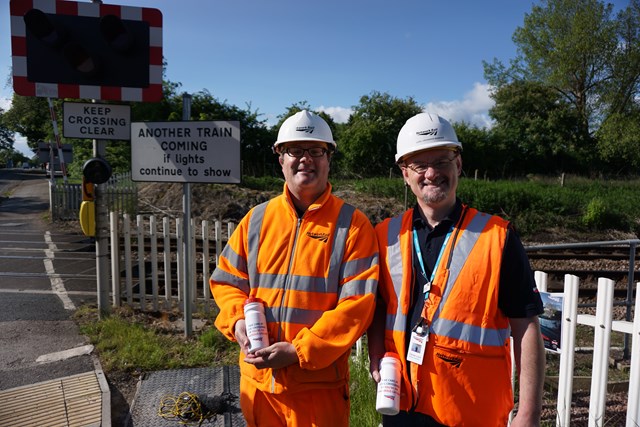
[368,143]
[577,49]
[256,138]
[30,117]
[535,126]
[481,151]
[6,136]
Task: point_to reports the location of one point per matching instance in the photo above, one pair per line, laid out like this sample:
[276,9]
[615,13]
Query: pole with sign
[186,152]
[186,243]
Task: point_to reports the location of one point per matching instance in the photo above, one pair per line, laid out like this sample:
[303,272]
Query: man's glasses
[440,165]
[298,152]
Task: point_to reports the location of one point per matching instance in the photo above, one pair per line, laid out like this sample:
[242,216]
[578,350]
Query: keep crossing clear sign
[192,151]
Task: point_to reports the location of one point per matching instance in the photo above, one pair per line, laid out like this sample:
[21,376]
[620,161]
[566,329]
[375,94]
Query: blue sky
[271,54]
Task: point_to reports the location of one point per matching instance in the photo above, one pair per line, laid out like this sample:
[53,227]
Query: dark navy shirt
[517,292]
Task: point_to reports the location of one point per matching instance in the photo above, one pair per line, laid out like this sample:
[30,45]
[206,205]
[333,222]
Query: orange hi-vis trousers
[309,408]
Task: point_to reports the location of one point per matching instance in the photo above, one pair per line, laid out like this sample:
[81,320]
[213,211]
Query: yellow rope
[186,407]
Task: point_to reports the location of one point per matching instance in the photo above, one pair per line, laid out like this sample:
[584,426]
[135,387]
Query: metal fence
[120,194]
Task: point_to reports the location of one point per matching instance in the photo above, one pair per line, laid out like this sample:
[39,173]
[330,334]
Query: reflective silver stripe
[221,276]
[459,330]
[470,333]
[253,241]
[234,259]
[316,284]
[357,266]
[356,288]
[299,283]
[339,242]
[299,316]
[397,321]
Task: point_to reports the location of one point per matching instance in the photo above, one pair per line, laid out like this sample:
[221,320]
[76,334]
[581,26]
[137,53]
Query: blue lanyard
[416,245]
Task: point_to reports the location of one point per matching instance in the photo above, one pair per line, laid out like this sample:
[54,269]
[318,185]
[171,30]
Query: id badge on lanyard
[420,332]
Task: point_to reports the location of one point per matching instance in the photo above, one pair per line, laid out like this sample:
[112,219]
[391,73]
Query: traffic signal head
[96,170]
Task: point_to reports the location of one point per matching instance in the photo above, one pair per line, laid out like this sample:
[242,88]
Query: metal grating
[207,383]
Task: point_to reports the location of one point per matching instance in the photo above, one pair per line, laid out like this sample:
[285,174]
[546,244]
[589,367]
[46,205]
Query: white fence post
[179,257]
[218,236]
[567,350]
[127,257]
[205,265]
[141,270]
[115,258]
[166,234]
[601,343]
[633,403]
[153,236]
[541,279]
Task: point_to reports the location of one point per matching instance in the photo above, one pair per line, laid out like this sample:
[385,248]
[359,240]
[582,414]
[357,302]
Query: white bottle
[388,398]
[256,324]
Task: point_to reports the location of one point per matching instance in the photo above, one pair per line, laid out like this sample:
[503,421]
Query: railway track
[588,263]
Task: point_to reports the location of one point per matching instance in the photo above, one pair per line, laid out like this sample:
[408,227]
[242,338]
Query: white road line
[57,284]
[65,354]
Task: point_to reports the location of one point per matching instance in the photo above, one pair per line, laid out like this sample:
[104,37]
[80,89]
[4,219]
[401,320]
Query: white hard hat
[304,126]
[425,131]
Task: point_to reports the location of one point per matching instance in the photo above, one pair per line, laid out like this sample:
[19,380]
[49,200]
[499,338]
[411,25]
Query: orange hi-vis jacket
[465,376]
[318,277]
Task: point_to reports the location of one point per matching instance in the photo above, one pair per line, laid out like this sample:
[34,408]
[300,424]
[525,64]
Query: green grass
[363,394]
[536,204]
[124,344]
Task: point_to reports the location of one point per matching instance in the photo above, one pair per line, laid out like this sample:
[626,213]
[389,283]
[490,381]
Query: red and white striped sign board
[23,86]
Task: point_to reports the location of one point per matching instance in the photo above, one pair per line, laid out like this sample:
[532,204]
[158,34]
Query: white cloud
[473,108]
[5,103]
[338,114]
[20,144]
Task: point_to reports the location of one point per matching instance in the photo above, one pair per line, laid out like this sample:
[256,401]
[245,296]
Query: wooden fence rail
[147,260]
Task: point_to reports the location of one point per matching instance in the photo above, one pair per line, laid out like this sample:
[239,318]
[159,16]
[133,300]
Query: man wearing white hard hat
[313,261]
[454,285]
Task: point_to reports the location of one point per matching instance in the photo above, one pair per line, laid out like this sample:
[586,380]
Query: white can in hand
[256,324]
[388,398]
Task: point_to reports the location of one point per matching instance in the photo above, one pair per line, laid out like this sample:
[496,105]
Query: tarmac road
[44,276]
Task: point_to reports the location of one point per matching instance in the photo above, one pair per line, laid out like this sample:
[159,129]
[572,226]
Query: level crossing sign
[66,49]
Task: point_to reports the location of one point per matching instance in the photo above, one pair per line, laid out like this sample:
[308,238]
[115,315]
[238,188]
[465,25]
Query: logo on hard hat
[307,129]
[433,132]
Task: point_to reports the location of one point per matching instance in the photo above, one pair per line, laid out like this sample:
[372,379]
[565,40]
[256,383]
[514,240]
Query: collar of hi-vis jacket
[310,284]
[469,234]
[317,204]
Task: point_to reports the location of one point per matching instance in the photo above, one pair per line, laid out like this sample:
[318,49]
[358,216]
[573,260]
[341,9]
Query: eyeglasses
[298,152]
[421,168]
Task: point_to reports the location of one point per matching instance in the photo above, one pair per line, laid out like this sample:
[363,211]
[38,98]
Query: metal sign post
[102,239]
[186,223]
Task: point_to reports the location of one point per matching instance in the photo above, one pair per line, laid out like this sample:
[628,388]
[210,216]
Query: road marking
[45,292]
[57,284]
[65,354]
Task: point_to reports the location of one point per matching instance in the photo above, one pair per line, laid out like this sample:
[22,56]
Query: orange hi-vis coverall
[317,276]
[465,376]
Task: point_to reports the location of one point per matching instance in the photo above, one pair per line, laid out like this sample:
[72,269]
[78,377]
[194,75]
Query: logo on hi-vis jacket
[323,237]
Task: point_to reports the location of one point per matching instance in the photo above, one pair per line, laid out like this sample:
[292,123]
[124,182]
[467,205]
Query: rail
[631,243]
